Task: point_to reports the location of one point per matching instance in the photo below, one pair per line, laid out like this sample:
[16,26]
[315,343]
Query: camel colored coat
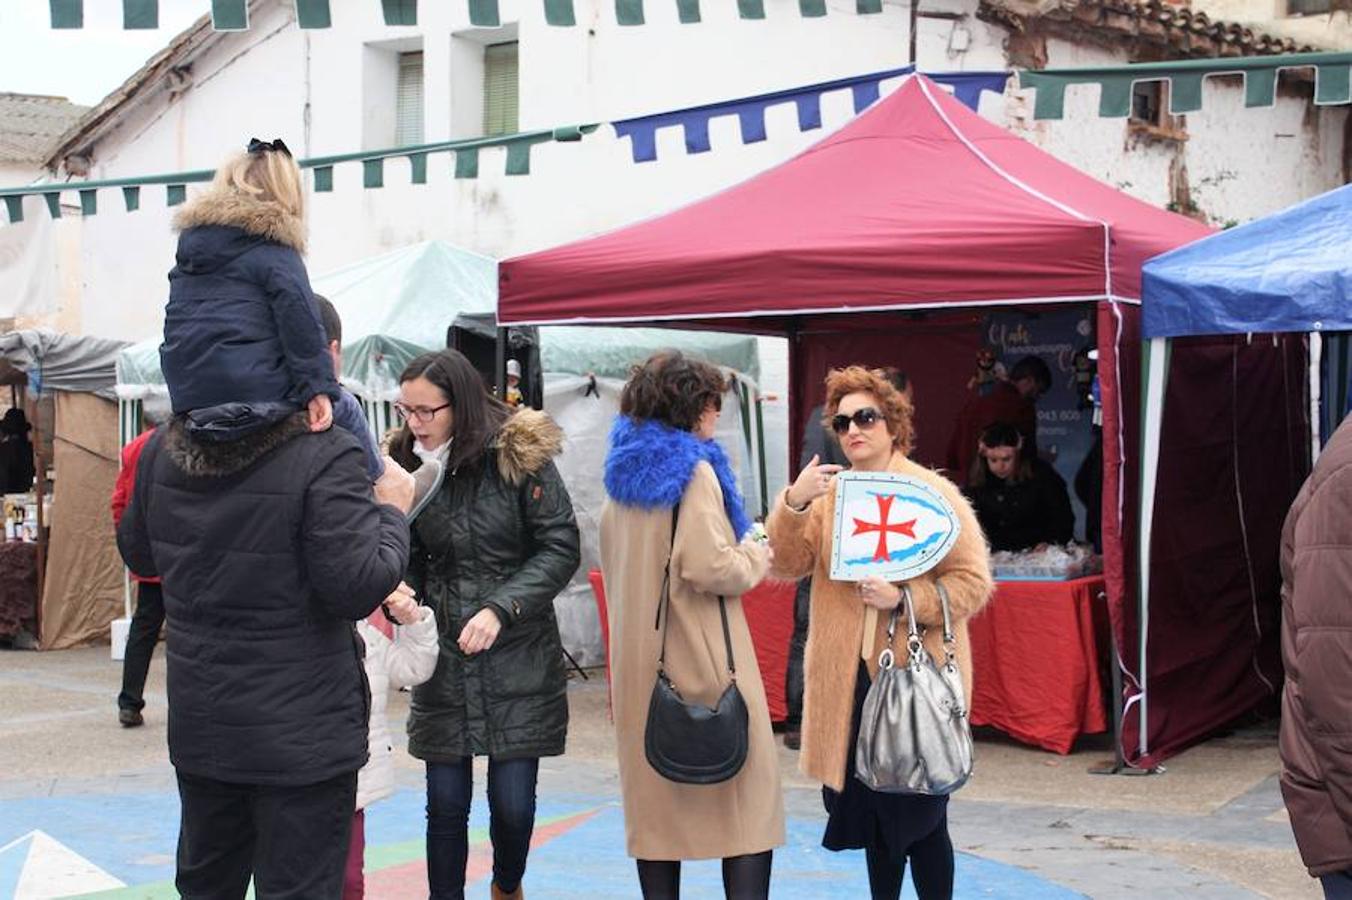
[664,820]
[839,630]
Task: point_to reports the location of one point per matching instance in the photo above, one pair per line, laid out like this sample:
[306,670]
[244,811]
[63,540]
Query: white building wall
[1241,164]
[309,88]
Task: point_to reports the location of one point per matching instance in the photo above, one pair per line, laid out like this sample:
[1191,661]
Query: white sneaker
[426,481]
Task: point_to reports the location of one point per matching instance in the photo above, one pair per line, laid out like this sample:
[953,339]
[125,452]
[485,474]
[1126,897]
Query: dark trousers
[793,674]
[511,820]
[141,639]
[931,860]
[1337,886]
[293,841]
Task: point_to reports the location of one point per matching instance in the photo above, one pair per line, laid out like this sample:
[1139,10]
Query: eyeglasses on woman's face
[420,413]
[865,418]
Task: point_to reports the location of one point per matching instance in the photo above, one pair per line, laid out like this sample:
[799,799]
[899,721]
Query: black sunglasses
[865,418]
[278,146]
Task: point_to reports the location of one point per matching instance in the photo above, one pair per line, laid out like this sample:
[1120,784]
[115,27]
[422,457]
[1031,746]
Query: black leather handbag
[688,742]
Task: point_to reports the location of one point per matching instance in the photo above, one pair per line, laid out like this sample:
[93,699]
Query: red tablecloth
[1035,661]
[769,615]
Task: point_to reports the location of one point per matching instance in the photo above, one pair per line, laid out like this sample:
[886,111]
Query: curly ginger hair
[895,407]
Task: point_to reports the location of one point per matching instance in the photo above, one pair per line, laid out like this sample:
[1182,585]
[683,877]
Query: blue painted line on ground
[133,836]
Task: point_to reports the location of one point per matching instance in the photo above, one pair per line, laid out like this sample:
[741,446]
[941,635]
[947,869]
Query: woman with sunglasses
[489,554]
[873,420]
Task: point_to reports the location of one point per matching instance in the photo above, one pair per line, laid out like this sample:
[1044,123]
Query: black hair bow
[278,146]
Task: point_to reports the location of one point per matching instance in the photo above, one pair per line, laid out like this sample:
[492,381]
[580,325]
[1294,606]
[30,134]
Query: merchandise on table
[21,516]
[1057,562]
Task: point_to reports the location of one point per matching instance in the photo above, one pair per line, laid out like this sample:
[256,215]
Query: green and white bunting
[466,154]
[1333,85]
[1332,79]
[233,15]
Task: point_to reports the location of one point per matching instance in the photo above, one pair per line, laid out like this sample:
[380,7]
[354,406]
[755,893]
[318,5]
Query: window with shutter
[1308,7]
[500,89]
[408,101]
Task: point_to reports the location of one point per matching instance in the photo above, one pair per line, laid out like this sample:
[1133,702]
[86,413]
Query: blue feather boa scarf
[650,464]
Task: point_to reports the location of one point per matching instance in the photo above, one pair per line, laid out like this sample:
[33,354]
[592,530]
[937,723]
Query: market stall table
[18,588]
[768,608]
[1036,661]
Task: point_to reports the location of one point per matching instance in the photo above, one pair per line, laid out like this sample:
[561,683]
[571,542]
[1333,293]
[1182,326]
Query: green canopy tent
[400,304]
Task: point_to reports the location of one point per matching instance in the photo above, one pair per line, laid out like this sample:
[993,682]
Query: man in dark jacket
[268,547]
[1316,730]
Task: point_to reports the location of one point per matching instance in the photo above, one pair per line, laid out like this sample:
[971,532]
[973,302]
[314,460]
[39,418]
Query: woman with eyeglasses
[848,631]
[489,554]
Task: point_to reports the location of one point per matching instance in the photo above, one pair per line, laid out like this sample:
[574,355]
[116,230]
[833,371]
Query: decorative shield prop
[892,526]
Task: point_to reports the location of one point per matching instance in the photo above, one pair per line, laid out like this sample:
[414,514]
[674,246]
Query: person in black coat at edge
[1021,503]
[490,553]
[267,548]
[268,542]
[820,442]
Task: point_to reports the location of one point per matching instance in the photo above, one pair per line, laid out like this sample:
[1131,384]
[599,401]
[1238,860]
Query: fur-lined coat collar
[526,442]
[234,209]
[650,464]
[217,460]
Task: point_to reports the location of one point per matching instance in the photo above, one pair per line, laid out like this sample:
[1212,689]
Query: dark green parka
[501,537]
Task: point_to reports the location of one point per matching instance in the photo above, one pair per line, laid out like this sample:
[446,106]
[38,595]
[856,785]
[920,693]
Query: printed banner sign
[889,525]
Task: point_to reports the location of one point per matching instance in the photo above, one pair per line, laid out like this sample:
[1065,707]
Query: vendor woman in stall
[1022,504]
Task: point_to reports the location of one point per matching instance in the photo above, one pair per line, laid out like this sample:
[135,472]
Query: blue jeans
[511,812]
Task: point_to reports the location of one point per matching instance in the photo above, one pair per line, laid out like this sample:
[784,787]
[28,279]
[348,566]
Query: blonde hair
[269,177]
[896,409]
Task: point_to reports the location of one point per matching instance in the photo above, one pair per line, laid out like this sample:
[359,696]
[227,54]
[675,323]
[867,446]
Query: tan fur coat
[264,218]
[842,628]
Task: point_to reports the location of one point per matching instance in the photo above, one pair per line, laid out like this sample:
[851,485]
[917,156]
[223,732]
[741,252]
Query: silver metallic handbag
[914,737]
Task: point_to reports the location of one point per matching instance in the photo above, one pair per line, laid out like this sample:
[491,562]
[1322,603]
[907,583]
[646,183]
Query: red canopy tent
[920,207]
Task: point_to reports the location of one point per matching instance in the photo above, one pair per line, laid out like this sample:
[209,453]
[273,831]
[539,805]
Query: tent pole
[1119,763]
[1316,363]
[40,487]
[500,366]
[1155,363]
[124,418]
[760,453]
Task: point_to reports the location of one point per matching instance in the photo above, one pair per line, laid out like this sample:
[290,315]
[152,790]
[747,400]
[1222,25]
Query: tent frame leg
[1119,764]
[573,662]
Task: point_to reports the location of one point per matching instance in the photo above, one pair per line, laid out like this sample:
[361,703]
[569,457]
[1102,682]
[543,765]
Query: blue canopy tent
[1254,305]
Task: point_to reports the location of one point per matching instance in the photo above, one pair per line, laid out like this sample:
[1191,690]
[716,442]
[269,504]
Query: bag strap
[665,600]
[950,642]
[914,640]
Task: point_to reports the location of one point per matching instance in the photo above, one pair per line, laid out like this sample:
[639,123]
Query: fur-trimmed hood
[230,208]
[526,442]
[217,460]
[650,464]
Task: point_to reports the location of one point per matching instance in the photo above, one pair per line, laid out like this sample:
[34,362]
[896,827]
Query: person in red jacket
[149,616]
[1013,402]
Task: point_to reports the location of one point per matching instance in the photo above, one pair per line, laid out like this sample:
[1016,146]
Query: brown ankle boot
[500,894]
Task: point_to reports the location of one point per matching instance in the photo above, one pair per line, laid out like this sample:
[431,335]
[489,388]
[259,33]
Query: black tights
[931,868]
[744,877]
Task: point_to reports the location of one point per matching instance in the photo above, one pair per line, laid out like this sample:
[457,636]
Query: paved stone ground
[88,809]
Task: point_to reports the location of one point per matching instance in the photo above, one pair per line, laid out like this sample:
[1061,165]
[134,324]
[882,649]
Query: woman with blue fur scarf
[663,453]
